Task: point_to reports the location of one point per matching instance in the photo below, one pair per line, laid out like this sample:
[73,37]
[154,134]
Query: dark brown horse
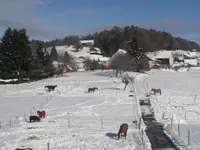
[50,87]
[92,89]
[123,129]
[34,119]
[156,91]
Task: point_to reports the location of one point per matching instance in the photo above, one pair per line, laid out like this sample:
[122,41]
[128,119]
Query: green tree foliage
[15,54]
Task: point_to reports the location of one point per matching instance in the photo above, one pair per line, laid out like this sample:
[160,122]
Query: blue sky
[50,19]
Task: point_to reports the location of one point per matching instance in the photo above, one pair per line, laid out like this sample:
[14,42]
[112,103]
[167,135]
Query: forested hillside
[111,40]
[149,40]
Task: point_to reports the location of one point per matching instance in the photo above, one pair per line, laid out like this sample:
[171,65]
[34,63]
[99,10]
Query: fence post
[195,98]
[101,123]
[48,147]
[185,115]
[179,133]
[171,122]
[163,115]
[188,137]
[142,137]
[68,123]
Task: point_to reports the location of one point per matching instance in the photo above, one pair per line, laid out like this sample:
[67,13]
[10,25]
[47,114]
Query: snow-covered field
[179,102]
[75,119]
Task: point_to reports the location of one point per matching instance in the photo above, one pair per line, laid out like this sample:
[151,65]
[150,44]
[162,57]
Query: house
[119,60]
[85,43]
[163,57]
[95,50]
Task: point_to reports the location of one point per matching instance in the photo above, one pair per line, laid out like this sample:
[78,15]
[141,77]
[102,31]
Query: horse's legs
[125,134]
[119,135]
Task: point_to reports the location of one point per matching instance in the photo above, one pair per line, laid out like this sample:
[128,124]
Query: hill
[111,40]
[149,40]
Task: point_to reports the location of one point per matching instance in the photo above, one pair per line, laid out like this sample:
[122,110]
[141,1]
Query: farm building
[95,50]
[87,43]
[119,60]
[163,57]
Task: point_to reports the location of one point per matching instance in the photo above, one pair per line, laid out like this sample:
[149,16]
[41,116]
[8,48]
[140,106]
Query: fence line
[12,122]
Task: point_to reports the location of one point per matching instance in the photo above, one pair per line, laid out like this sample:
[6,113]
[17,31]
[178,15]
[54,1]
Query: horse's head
[38,112]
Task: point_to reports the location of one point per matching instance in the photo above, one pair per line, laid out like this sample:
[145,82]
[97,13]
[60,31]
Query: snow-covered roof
[86,41]
[163,54]
[159,54]
[121,51]
[190,54]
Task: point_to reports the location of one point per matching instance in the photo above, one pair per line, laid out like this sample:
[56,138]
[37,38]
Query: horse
[123,129]
[156,91]
[50,87]
[41,114]
[34,119]
[92,89]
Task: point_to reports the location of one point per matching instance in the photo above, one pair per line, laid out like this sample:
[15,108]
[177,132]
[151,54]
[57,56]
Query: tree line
[109,41]
[19,60]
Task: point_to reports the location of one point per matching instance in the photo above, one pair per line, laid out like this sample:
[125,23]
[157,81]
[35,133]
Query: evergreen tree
[54,54]
[15,53]
[66,58]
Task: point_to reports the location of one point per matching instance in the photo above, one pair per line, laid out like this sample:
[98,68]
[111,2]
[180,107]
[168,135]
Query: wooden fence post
[48,147]
[171,122]
[195,98]
[188,137]
[185,115]
[179,134]
[163,115]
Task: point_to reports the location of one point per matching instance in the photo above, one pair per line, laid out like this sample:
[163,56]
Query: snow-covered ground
[78,55]
[179,102]
[75,119]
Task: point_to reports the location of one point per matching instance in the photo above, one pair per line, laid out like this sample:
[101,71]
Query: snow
[192,62]
[84,53]
[179,102]
[160,54]
[87,41]
[75,119]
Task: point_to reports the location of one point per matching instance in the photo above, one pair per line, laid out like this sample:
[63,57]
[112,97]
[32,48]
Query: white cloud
[22,14]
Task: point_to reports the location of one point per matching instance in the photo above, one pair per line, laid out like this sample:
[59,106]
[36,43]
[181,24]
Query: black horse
[34,119]
[92,89]
[50,87]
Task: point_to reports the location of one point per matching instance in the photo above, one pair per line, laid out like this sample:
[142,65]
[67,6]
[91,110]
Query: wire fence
[13,120]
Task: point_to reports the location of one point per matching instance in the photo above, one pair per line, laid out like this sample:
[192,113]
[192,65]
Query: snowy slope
[75,119]
[84,52]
